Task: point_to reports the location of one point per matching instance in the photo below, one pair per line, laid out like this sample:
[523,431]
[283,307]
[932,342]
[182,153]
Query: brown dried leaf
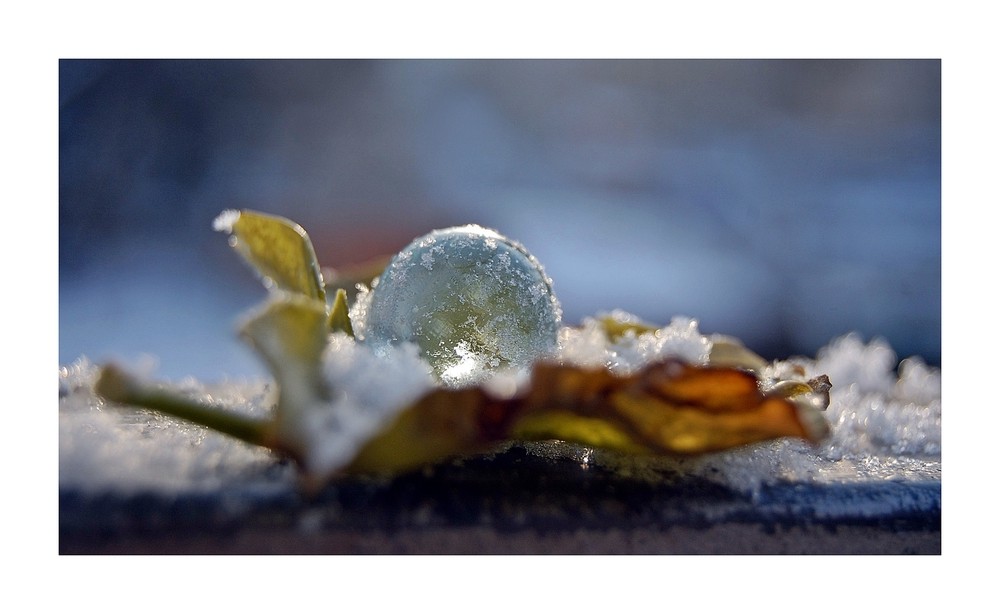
[667,408]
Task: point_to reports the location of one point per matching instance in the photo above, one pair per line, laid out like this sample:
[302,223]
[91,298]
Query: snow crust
[885,416]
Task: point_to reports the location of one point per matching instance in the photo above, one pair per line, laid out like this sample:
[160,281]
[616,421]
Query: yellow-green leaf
[444,423]
[117,386]
[616,328]
[340,318]
[290,334]
[277,248]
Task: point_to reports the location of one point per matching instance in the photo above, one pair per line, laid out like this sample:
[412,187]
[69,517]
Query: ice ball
[474,302]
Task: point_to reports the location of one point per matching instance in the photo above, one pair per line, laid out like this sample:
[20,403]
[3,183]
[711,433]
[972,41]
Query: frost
[868,367]
[883,425]
[359,310]
[881,414]
[917,382]
[224,221]
[586,346]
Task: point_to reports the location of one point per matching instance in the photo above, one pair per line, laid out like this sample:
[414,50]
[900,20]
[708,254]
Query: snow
[362,402]
[131,450]
[588,345]
[885,417]
[224,221]
[358,311]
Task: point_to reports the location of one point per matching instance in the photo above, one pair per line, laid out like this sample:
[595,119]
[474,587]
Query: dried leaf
[675,408]
[668,408]
[568,426]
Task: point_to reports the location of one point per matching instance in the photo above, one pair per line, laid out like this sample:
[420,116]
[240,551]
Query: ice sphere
[474,301]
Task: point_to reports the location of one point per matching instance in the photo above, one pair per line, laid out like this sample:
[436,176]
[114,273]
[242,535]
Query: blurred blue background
[784,202]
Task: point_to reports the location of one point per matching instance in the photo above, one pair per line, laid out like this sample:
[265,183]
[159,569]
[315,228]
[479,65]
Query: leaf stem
[117,386]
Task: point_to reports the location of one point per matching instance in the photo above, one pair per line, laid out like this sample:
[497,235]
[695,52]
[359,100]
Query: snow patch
[885,418]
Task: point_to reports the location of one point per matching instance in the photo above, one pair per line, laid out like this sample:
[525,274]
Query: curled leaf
[667,408]
[811,397]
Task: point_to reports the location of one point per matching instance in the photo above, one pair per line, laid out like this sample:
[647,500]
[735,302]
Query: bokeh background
[786,202]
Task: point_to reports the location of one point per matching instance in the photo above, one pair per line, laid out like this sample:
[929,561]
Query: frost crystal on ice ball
[473,300]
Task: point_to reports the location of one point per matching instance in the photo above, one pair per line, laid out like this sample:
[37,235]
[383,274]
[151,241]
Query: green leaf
[277,248]
[340,318]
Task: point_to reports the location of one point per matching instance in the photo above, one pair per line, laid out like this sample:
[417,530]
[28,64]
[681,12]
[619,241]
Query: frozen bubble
[474,302]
